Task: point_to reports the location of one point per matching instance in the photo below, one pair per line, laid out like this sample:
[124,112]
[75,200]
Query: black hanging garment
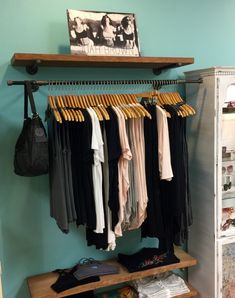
[82,158]
[176,206]
[31,149]
[58,205]
[114,153]
[153,224]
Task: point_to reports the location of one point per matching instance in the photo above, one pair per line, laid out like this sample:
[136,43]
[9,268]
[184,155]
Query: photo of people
[102,33]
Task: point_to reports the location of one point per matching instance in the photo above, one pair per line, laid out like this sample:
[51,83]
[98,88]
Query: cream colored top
[97,145]
[164,154]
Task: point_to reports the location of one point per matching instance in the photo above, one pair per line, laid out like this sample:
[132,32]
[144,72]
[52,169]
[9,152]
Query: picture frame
[102,33]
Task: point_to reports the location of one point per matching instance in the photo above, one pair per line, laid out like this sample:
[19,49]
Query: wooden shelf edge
[39,285]
[193,292]
[30,60]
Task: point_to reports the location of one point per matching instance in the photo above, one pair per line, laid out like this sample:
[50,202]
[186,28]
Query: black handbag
[31,150]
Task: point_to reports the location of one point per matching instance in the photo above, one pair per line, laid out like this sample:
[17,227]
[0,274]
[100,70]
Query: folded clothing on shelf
[147,258]
[94,268]
[86,271]
[166,285]
[66,280]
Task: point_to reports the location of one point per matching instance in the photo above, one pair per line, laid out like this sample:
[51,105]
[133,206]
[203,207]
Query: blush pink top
[123,177]
[137,136]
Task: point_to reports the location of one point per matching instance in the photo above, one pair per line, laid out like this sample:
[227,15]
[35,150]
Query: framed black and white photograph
[102,33]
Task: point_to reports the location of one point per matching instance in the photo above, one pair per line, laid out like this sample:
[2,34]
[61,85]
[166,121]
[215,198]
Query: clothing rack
[156,84]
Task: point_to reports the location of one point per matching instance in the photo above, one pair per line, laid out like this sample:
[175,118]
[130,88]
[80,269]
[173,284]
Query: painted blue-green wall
[30,242]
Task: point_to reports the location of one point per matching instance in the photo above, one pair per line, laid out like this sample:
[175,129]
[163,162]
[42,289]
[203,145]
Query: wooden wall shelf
[39,285]
[33,61]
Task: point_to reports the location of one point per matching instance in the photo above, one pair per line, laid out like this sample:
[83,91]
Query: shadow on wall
[23,292]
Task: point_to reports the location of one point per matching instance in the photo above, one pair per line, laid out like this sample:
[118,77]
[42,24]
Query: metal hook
[49,86]
[61,86]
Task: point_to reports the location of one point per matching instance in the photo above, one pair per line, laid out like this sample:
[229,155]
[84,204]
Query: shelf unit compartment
[226,267]
[40,285]
[157,64]
[228,173]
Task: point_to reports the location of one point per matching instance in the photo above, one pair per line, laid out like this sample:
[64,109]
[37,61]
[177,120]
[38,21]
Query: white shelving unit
[211,140]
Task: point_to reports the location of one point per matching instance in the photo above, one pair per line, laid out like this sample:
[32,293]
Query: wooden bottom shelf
[40,285]
[193,292]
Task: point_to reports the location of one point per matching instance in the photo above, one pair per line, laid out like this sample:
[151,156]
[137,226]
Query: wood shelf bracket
[158,70]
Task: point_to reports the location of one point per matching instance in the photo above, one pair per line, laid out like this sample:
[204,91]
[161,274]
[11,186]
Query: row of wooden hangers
[174,100]
[69,107]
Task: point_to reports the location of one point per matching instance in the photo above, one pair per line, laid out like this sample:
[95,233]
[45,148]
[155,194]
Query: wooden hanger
[166,99]
[71,106]
[103,111]
[104,99]
[141,110]
[133,99]
[68,107]
[96,102]
[111,99]
[81,103]
[54,109]
[64,105]
[181,105]
[189,108]
[85,101]
[77,102]
[98,113]
[96,99]
[120,103]
[88,100]
[58,104]
[134,109]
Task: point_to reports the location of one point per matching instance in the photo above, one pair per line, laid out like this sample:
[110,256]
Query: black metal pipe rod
[154,83]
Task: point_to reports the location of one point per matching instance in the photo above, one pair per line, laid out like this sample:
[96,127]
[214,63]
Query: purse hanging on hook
[31,150]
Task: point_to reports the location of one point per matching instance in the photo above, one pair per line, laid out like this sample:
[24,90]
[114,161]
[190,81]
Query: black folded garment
[66,281]
[147,258]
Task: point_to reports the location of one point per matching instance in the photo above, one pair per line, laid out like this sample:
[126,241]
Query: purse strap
[25,103]
[29,94]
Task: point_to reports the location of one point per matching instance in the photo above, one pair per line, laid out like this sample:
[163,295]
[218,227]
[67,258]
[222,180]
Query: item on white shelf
[228,223]
[227,212]
[227,155]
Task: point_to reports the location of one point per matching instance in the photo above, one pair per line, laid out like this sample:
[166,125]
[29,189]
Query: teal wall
[30,242]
